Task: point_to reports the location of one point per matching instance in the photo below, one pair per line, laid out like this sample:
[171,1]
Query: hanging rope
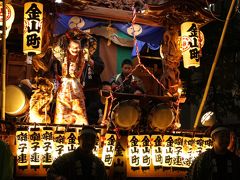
[134,13]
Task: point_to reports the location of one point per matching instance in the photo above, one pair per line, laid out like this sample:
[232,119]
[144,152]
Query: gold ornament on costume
[61,44]
[40,101]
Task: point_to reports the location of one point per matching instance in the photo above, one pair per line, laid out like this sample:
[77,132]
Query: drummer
[125,82]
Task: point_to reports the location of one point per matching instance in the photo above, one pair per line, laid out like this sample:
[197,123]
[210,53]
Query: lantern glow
[71,140]
[47,145]
[134,150]
[177,156]
[96,147]
[192,42]
[167,150]
[188,151]
[35,146]
[22,146]
[10,15]
[32,33]
[157,158]
[109,149]
[201,145]
[146,157]
[59,144]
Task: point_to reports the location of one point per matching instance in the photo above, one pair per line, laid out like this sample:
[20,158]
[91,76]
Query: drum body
[126,114]
[17,102]
[161,117]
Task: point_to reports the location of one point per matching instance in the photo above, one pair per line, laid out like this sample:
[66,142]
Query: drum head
[161,117]
[16,101]
[126,114]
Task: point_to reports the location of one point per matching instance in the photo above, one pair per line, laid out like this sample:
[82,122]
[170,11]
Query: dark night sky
[224,93]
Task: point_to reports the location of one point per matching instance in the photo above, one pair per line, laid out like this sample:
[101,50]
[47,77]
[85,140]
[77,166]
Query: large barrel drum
[17,102]
[161,117]
[126,114]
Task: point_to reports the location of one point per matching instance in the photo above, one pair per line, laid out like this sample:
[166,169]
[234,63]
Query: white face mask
[74,48]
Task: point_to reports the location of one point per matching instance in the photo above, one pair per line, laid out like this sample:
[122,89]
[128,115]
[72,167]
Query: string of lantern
[40,146]
[37,147]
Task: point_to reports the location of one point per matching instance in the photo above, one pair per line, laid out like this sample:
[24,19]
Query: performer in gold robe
[70,100]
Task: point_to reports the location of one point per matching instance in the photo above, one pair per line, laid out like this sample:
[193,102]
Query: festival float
[139,135]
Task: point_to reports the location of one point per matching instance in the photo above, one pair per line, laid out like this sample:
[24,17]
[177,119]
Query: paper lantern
[177,155]
[188,158]
[10,15]
[201,145]
[145,146]
[96,147]
[32,33]
[47,146]
[167,150]
[35,146]
[134,150]
[120,158]
[71,140]
[192,41]
[22,146]
[109,149]
[157,158]
[59,144]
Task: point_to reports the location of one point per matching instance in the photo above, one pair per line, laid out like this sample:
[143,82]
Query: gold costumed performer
[70,100]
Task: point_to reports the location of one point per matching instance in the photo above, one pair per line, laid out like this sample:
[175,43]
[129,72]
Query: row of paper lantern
[40,146]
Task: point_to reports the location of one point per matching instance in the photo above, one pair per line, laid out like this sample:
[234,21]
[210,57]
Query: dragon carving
[40,100]
[172,56]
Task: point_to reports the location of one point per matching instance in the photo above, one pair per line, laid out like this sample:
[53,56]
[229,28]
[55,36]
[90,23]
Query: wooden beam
[110,14]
